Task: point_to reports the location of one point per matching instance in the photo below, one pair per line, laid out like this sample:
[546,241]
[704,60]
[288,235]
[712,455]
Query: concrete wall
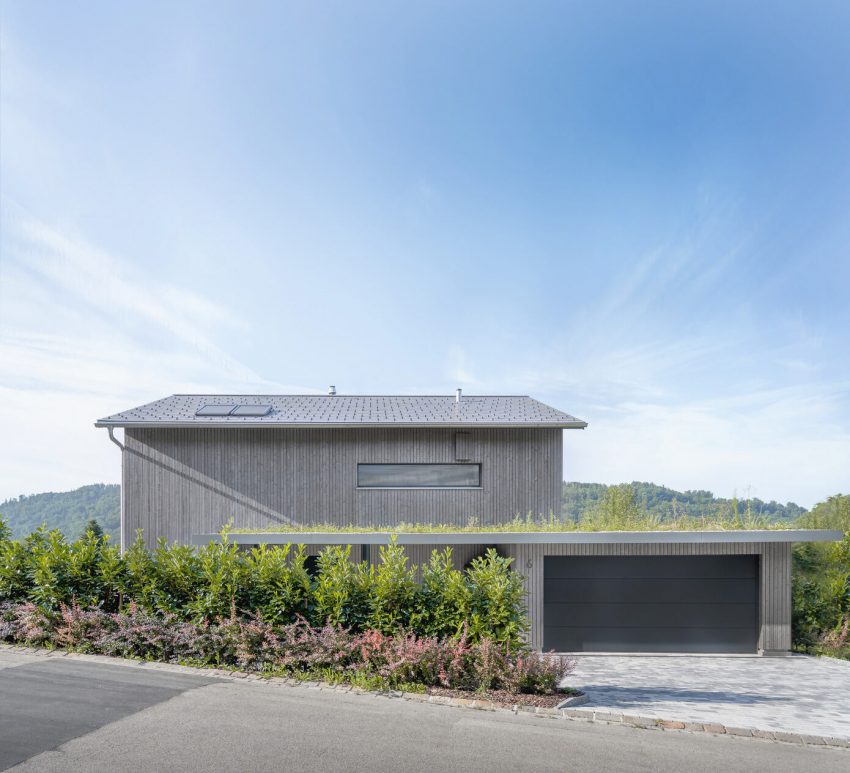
[774,581]
[179,482]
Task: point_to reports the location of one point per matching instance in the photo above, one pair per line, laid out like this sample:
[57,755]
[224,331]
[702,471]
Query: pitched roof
[348,411]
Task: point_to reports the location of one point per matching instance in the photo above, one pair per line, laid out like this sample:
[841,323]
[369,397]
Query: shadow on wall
[175,467]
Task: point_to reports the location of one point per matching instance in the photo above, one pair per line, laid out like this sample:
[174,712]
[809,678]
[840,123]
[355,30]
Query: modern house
[193,463]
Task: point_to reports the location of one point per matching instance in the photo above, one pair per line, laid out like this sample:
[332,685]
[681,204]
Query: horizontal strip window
[419,475]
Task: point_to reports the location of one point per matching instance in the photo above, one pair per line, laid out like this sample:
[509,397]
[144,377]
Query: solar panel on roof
[250,410]
[215,410]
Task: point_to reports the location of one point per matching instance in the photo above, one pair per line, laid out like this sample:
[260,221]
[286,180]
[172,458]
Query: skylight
[250,410]
[215,410]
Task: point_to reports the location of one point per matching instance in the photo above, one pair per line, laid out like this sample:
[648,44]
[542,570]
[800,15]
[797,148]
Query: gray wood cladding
[464,451]
[774,578]
[775,597]
[180,482]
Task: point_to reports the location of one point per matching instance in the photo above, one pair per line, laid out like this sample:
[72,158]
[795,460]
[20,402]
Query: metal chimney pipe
[458,393]
[331,390]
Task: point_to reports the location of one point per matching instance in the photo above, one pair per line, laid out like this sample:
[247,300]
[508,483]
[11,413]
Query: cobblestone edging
[581,714]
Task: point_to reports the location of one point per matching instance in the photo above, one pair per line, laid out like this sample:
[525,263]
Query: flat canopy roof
[515,538]
[335,411]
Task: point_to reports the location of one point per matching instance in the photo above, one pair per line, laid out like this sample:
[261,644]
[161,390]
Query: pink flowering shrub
[395,659]
[80,629]
[25,624]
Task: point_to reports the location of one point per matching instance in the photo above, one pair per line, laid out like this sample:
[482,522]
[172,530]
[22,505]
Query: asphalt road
[62,714]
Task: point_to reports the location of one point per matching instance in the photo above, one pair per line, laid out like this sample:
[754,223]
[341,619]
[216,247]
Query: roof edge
[338,394]
[100,423]
[539,538]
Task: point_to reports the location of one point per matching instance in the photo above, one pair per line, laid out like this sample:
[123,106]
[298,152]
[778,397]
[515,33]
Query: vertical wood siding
[177,483]
[775,579]
[776,597]
[181,482]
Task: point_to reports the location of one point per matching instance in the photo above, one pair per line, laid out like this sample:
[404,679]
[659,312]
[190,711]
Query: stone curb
[655,723]
[587,714]
[574,700]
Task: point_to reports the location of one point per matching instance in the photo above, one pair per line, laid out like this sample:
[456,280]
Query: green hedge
[821,587]
[209,583]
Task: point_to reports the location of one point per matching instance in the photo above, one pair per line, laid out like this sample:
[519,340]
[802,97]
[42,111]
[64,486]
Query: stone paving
[797,694]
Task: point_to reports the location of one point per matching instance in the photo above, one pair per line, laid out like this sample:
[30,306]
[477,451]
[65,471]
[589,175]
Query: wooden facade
[183,481]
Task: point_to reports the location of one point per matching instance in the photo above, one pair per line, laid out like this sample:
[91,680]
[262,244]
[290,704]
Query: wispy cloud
[784,444]
[84,333]
[111,290]
[712,404]
[787,443]
[459,368]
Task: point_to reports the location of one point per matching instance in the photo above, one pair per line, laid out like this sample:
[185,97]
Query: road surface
[64,714]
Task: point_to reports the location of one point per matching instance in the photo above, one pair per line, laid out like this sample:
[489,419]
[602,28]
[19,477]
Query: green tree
[821,582]
[93,527]
[667,504]
[68,511]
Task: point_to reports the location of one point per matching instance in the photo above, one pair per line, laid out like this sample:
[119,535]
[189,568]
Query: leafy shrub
[371,658]
[444,597]
[277,584]
[261,610]
[486,601]
[496,607]
[393,591]
[24,623]
[836,642]
[14,566]
[341,590]
[220,579]
[172,581]
[270,583]
[80,629]
[821,582]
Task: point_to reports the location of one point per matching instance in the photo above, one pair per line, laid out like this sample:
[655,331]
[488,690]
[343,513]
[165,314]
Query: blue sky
[638,212]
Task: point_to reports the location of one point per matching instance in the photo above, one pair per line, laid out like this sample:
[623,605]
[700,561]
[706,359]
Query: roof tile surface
[354,410]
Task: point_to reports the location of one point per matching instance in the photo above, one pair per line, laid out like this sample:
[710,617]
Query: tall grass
[617,511]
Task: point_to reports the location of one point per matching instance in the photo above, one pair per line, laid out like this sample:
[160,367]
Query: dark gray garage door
[650,603]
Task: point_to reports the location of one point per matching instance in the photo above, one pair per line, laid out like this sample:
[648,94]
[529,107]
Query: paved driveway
[798,694]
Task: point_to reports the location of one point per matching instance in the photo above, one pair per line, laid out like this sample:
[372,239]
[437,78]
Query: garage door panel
[651,603]
[613,639]
[650,614]
[661,567]
[665,590]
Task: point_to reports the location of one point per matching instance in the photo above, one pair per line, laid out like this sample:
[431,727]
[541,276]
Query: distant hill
[71,510]
[668,504]
[68,511]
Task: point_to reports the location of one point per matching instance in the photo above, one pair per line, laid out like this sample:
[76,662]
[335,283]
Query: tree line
[666,504]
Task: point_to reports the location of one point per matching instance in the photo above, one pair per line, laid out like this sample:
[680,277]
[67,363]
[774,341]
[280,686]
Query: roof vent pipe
[458,393]
[331,390]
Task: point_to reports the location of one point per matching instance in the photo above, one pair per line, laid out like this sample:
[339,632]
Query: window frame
[418,488]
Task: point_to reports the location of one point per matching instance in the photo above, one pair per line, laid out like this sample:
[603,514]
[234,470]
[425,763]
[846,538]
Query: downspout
[123,448]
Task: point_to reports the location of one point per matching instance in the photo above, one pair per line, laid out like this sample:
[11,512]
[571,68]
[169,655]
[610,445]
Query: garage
[704,603]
